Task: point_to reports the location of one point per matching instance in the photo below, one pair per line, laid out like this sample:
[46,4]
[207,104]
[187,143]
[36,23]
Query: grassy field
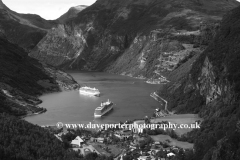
[173,142]
[179,119]
[114,150]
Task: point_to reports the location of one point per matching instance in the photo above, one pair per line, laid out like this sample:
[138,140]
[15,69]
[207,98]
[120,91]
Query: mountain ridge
[24,78]
[71,13]
[109,35]
[26,30]
[182,40]
[211,89]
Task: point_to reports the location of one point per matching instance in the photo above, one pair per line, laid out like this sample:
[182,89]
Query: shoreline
[33,114]
[165,112]
[62,87]
[43,109]
[152,118]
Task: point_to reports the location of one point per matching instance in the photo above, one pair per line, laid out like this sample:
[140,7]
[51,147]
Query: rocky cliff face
[23,78]
[137,38]
[212,90]
[65,46]
[71,13]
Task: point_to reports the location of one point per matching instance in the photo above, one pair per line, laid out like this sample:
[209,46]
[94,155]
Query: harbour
[130,97]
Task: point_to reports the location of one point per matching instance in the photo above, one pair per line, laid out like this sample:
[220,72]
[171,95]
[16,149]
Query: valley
[160,61]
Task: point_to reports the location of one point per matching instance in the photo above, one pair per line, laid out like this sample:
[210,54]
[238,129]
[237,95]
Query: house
[123,134]
[100,140]
[157,143]
[153,152]
[175,149]
[77,142]
[132,147]
[167,149]
[170,154]
[144,158]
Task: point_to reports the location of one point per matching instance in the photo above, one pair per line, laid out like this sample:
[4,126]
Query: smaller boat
[103,108]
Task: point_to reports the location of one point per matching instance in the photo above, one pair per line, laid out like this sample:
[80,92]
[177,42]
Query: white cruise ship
[89,91]
[103,109]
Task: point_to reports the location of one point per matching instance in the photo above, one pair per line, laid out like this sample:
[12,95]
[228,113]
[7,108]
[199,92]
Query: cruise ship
[89,91]
[103,109]
[157,81]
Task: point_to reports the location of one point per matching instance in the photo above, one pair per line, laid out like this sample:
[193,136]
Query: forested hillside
[143,38]
[21,81]
[211,89]
[22,140]
[26,30]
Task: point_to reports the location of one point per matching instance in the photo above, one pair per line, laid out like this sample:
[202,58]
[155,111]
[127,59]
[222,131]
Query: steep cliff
[26,30]
[23,78]
[212,89]
[71,13]
[137,38]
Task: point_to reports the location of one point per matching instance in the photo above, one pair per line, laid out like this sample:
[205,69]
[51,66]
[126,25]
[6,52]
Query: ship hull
[89,94]
[100,115]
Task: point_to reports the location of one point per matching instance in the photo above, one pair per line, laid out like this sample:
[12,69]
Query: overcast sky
[48,9]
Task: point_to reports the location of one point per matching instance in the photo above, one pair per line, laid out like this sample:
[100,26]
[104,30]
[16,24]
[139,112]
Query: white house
[77,141]
[123,134]
[100,140]
[170,154]
[145,158]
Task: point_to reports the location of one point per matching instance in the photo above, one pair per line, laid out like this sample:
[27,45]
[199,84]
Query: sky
[48,9]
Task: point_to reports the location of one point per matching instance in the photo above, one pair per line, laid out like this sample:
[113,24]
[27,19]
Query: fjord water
[131,98]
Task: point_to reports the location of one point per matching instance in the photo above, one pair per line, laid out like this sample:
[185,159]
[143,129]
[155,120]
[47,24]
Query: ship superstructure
[103,108]
[89,91]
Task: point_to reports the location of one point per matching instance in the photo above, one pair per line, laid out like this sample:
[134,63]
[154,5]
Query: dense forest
[218,66]
[219,132]
[20,140]
[218,138]
[19,79]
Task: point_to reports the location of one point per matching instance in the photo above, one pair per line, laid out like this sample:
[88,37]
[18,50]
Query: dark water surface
[131,96]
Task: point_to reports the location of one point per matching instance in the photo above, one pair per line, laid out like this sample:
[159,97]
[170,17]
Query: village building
[99,140]
[124,134]
[77,142]
[144,158]
[170,154]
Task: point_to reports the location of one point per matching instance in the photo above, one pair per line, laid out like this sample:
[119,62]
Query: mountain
[212,89]
[22,80]
[26,30]
[71,13]
[185,40]
[129,37]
